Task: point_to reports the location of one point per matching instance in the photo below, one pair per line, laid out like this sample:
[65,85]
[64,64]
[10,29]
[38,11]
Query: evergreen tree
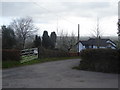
[37,41]
[8,38]
[53,38]
[45,40]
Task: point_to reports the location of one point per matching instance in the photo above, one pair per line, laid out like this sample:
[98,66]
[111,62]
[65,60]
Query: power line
[54,14]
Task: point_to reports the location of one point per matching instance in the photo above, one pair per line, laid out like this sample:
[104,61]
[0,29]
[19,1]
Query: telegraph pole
[78,37]
[119,25]
[57,25]
[78,32]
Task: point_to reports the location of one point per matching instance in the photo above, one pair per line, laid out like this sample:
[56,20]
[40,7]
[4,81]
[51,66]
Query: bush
[73,54]
[46,53]
[103,60]
[10,55]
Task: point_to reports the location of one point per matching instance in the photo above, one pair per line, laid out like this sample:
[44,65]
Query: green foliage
[28,58]
[46,40]
[118,28]
[53,38]
[11,55]
[103,60]
[37,41]
[10,64]
[8,38]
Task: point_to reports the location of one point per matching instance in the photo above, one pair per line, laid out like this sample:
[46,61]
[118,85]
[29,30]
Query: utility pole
[78,37]
[78,32]
[118,25]
[57,25]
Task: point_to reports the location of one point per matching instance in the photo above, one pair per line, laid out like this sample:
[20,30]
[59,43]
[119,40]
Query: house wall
[94,46]
[111,43]
[113,48]
[99,47]
[110,46]
[102,47]
[81,47]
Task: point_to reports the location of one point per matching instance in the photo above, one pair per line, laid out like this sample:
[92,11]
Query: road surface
[57,74]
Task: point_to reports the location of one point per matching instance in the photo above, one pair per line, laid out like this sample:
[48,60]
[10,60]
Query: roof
[96,41]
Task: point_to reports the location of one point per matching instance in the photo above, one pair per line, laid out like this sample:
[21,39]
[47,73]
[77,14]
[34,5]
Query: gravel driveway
[57,74]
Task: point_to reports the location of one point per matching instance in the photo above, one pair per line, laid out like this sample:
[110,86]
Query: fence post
[38,52]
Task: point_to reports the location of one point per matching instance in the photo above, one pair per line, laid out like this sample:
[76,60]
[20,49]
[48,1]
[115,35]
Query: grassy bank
[10,64]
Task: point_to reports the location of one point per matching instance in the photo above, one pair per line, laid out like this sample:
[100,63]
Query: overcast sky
[65,15]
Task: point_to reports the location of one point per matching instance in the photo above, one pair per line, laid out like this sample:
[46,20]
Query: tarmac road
[57,74]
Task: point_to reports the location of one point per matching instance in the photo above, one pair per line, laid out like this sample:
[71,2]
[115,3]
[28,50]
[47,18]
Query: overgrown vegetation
[101,60]
[8,38]
[11,55]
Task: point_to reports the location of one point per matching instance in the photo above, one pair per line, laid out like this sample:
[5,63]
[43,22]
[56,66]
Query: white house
[96,43]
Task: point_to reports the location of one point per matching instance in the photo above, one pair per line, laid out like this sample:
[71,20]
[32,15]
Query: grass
[9,64]
[32,60]
[76,67]
[28,58]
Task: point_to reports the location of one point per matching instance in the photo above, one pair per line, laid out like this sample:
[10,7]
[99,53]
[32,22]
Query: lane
[57,74]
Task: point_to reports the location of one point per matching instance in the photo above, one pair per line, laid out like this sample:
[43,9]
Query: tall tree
[118,33]
[97,33]
[37,41]
[65,42]
[46,40]
[23,28]
[72,41]
[8,38]
[53,38]
[118,27]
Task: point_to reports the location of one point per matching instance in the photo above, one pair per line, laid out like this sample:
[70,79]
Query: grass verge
[11,64]
[76,67]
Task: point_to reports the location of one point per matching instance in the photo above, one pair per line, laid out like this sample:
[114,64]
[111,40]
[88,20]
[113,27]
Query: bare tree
[66,42]
[72,41]
[23,28]
[97,33]
[62,41]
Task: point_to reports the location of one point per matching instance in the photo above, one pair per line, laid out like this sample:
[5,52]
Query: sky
[64,15]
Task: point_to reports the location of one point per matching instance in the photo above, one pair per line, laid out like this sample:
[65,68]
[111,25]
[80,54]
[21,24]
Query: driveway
[57,74]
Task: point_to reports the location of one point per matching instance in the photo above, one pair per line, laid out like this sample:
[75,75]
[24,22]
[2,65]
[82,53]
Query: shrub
[45,53]
[10,54]
[104,60]
[72,54]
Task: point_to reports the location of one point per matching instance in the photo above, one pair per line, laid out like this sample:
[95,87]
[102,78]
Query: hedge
[11,55]
[73,54]
[103,60]
[45,53]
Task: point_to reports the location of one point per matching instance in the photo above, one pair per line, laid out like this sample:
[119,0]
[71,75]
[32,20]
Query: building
[96,43]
